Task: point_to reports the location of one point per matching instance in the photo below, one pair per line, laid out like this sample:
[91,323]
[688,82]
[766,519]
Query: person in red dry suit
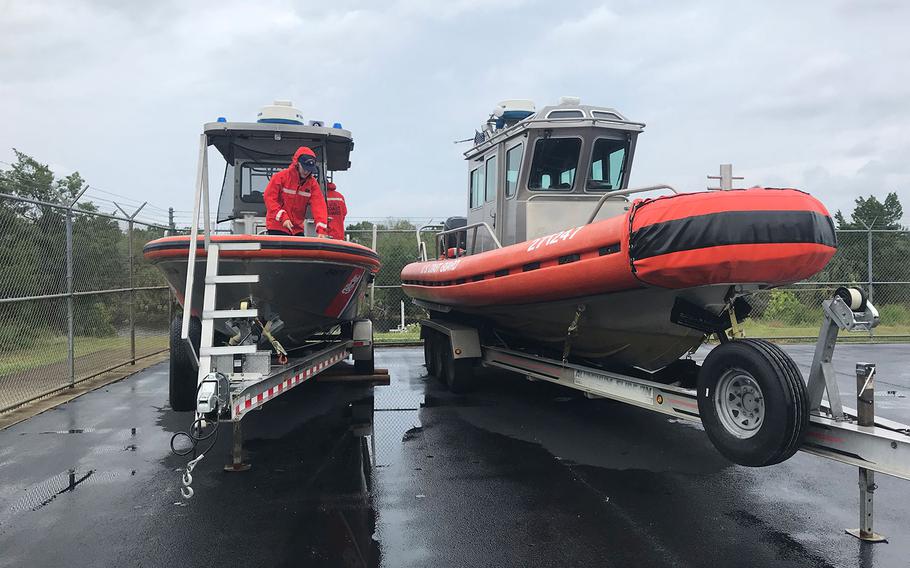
[337,208]
[289,193]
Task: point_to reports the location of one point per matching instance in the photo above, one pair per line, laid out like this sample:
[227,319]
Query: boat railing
[623,192]
[421,243]
[461,248]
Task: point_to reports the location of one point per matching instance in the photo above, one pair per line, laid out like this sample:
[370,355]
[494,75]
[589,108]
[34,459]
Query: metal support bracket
[237,450]
[838,316]
[865,414]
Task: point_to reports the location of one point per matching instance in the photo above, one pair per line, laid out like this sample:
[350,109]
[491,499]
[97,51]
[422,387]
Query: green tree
[33,250]
[868,223]
[397,247]
[869,212]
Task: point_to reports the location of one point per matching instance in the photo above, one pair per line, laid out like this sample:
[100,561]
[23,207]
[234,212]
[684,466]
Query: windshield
[554,164]
[254,177]
[607,164]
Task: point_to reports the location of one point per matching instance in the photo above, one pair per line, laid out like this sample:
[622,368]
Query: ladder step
[227,314]
[229,350]
[239,246]
[232,279]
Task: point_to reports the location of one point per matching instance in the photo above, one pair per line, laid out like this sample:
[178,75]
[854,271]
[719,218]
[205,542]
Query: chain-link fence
[77,298]
[394,315]
[877,261]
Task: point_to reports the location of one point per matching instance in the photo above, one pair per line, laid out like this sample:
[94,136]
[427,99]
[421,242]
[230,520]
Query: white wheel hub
[739,403]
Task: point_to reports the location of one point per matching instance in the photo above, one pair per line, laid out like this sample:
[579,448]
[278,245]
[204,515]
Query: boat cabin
[254,151]
[533,173]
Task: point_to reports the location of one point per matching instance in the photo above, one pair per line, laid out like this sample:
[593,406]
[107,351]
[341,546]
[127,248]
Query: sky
[810,94]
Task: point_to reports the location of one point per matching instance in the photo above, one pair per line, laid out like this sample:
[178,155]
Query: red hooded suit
[334,201]
[287,197]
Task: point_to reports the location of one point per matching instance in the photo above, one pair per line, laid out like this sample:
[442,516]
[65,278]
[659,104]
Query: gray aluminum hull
[623,328]
[305,294]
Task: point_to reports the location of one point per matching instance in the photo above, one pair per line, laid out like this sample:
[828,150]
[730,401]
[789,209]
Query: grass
[775,329]
[407,336]
[53,350]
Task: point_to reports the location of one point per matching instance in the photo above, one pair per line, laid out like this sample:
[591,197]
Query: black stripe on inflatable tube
[732,228]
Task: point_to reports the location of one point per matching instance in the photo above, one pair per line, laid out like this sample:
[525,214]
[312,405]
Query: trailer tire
[436,351]
[428,350]
[753,402]
[458,373]
[366,366]
[183,376]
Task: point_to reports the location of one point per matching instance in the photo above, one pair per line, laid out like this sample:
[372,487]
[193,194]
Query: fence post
[373,284]
[129,245]
[70,287]
[129,241]
[869,259]
[70,328]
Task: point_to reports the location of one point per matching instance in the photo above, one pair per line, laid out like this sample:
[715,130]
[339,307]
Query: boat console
[256,150]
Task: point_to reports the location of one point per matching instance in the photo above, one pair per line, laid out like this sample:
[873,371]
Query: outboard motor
[455,240]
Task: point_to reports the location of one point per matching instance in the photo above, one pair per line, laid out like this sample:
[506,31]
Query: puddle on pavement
[395,421]
[130,431]
[43,494]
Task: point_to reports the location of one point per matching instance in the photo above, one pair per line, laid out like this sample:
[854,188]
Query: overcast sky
[814,95]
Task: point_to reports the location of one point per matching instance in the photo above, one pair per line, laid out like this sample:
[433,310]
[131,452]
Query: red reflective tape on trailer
[825,437]
[237,410]
[247,403]
[259,398]
[683,403]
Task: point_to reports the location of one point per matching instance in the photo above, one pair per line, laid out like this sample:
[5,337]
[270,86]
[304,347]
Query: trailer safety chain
[195,437]
[187,479]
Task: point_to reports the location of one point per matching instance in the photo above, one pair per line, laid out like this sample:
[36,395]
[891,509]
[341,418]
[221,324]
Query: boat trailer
[837,432]
[235,379]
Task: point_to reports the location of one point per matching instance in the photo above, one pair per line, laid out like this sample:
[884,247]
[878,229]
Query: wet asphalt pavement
[517,473]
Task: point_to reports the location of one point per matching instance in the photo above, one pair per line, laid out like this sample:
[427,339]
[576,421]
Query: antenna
[726,178]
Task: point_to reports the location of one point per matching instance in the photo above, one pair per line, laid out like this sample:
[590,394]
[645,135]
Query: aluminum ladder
[210,314]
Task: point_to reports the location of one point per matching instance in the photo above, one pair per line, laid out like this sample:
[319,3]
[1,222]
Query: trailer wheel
[183,376]
[428,350]
[753,402]
[458,373]
[436,353]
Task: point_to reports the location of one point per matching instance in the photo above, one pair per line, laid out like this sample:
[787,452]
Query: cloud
[808,94]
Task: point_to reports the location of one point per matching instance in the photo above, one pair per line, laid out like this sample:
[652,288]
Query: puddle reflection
[395,419]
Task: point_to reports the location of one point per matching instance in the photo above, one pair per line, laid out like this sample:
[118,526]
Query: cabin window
[513,163]
[490,180]
[606,115]
[554,163]
[253,180]
[476,187]
[607,162]
[566,114]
